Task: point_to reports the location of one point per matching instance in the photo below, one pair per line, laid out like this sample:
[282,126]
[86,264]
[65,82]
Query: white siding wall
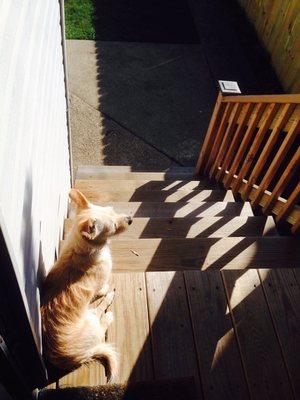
[34,154]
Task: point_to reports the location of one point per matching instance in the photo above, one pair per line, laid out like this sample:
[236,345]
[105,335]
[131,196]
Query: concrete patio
[155,99]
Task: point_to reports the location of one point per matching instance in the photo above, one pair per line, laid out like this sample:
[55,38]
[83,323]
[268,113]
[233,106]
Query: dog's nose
[129,220]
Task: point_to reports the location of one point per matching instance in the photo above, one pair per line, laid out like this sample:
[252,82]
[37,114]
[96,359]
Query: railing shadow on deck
[216,361]
[223,352]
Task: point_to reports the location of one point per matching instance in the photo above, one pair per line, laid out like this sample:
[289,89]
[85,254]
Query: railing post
[209,137]
[204,160]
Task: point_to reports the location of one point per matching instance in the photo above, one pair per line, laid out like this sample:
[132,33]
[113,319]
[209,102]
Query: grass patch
[79,15]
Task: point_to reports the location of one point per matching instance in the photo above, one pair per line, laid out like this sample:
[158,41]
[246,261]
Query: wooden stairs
[204,288]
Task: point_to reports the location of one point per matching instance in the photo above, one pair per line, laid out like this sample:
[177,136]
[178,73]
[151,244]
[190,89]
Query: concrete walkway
[148,104]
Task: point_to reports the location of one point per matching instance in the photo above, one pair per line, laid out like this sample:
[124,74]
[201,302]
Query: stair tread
[195,227]
[177,254]
[144,184]
[181,209]
[129,168]
[113,174]
[192,196]
[203,253]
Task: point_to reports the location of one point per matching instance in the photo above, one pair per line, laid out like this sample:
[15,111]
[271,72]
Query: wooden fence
[277,23]
[253,147]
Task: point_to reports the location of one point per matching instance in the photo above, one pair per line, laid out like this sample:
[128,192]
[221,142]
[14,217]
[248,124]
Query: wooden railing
[252,146]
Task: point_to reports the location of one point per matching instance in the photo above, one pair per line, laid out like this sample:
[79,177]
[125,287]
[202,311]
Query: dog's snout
[129,220]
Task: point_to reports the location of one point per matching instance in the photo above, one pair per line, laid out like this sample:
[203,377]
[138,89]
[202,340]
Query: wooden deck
[190,301]
[236,332]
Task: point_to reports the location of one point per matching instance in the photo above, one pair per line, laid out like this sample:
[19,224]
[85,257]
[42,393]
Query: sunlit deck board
[87,375]
[119,175]
[195,227]
[130,329]
[203,253]
[174,353]
[181,209]
[191,196]
[221,368]
[52,385]
[143,184]
[283,296]
[265,369]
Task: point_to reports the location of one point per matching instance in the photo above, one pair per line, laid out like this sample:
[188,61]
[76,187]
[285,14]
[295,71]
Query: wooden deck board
[220,363]
[283,297]
[144,184]
[195,227]
[130,330]
[203,253]
[190,196]
[174,352]
[123,175]
[265,369]
[87,375]
[181,209]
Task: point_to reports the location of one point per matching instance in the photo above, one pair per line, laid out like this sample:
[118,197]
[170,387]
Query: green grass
[79,19]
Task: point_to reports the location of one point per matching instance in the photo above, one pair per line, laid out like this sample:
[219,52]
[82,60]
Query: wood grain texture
[293,117]
[182,209]
[174,352]
[155,176]
[292,217]
[266,119]
[221,129]
[195,227]
[256,113]
[143,184]
[225,140]
[283,117]
[276,162]
[271,98]
[92,374]
[296,228]
[265,369]
[277,25]
[190,196]
[289,205]
[221,368]
[283,297]
[203,253]
[130,329]
[285,178]
[241,126]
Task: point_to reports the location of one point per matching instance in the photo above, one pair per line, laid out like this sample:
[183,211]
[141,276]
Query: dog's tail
[107,355]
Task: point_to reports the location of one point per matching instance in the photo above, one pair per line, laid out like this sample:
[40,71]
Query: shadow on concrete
[156,21]
[157,75]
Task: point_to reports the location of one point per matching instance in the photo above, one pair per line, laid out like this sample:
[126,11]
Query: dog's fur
[74,324]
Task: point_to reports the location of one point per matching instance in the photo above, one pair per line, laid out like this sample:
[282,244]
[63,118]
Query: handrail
[270,98]
[252,146]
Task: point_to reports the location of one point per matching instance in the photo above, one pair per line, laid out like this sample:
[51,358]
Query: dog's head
[95,223]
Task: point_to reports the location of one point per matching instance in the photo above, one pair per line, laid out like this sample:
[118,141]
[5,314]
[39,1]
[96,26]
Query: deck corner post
[226,88]
[209,137]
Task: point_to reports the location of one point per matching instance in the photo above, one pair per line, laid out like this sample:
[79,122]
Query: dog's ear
[79,199]
[91,228]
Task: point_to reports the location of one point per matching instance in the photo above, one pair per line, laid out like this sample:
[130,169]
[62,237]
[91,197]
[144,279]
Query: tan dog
[74,325]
